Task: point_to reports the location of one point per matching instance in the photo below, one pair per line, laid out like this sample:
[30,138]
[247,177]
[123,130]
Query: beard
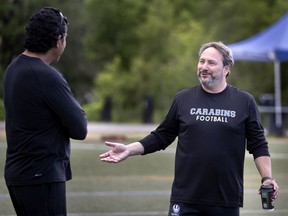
[211,80]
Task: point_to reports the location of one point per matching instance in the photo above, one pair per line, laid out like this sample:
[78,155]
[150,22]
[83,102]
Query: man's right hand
[118,153]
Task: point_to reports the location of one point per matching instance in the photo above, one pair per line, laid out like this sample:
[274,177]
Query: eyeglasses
[63,19]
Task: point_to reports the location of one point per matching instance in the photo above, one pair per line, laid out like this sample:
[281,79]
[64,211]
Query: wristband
[266,178]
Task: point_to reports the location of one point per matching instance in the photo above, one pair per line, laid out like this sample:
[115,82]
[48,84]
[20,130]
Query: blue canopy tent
[270,45]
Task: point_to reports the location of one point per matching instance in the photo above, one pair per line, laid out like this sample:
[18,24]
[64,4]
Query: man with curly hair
[42,115]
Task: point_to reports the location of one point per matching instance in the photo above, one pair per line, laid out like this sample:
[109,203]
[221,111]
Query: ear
[58,41]
[227,70]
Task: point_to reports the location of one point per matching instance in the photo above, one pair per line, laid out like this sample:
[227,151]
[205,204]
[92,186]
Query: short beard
[212,82]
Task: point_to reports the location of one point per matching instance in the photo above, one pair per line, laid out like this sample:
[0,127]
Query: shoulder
[241,97]
[37,67]
[187,95]
[239,92]
[189,91]
[46,73]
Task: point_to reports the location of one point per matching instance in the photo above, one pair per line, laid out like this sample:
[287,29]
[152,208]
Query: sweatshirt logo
[175,210]
[212,115]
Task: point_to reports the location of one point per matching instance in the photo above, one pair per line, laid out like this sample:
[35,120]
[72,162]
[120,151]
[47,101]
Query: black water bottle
[266,192]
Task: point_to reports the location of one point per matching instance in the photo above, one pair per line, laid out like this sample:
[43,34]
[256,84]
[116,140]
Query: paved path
[119,128]
[102,128]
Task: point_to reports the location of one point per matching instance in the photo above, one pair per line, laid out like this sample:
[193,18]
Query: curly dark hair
[43,30]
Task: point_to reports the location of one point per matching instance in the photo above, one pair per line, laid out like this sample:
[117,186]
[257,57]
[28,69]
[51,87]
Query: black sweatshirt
[41,116]
[213,131]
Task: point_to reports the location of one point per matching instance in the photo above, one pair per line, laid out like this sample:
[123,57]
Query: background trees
[130,50]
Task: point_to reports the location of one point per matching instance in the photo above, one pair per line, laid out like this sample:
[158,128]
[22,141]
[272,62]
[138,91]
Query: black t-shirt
[41,116]
[213,131]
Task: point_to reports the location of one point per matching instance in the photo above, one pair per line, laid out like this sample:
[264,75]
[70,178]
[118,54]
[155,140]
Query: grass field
[140,186]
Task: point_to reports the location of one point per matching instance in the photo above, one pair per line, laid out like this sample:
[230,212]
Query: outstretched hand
[118,153]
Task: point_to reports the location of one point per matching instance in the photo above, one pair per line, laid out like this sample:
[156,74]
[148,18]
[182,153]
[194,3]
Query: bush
[2,110]
[93,111]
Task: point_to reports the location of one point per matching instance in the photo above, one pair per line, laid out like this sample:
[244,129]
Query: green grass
[141,185]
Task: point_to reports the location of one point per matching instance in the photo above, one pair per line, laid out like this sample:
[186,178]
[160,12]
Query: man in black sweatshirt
[214,122]
[42,115]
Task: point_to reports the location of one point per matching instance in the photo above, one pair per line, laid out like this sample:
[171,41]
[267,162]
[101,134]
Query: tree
[131,49]
[10,33]
[145,52]
[13,17]
[235,21]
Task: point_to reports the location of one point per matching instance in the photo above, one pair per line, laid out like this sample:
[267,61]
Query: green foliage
[111,32]
[161,61]
[73,64]
[130,49]
[13,17]
[262,81]
[93,111]
[234,21]
[2,110]
[165,40]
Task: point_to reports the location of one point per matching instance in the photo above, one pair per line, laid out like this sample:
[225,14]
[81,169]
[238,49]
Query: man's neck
[216,89]
[45,57]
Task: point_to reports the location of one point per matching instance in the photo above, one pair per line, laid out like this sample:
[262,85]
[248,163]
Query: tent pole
[277,87]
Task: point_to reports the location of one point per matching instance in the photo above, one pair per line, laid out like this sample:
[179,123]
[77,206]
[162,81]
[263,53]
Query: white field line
[149,193]
[164,213]
[128,193]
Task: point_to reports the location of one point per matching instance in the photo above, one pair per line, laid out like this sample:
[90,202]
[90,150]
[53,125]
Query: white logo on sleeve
[175,210]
